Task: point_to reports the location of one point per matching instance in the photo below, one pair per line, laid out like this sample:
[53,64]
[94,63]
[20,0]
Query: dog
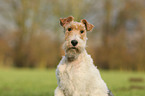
[76,73]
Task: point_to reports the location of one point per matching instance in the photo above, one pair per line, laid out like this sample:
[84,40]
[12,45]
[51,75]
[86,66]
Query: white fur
[79,78]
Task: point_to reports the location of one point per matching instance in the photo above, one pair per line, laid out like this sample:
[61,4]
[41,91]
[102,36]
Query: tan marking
[88,26]
[65,21]
[83,35]
[76,28]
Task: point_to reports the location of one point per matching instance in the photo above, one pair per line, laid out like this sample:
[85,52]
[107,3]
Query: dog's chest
[72,77]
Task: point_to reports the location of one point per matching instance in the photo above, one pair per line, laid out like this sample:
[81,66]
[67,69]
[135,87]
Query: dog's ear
[65,21]
[88,26]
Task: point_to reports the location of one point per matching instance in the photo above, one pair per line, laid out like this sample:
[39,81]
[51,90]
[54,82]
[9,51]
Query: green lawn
[36,82]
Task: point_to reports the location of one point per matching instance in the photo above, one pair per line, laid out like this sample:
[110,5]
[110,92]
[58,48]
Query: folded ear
[88,26]
[65,21]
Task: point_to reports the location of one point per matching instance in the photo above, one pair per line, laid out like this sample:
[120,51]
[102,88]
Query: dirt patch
[136,80]
[136,87]
[5,88]
[131,87]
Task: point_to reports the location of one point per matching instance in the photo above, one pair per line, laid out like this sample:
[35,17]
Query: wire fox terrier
[76,73]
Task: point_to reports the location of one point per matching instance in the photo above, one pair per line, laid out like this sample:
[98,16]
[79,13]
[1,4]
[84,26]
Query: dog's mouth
[72,53]
[72,48]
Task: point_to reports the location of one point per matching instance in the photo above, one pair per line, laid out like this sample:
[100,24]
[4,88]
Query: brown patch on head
[88,26]
[75,28]
[65,21]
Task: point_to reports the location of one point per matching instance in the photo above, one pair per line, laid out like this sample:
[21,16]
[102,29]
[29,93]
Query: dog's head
[75,36]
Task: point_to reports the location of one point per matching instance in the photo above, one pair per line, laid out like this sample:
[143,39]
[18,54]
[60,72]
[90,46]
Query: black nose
[74,42]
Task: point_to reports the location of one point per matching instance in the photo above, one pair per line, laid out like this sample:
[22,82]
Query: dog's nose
[74,42]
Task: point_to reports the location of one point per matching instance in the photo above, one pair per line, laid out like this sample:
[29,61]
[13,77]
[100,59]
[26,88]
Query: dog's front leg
[58,92]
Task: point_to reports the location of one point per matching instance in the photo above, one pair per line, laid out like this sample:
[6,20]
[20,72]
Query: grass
[36,82]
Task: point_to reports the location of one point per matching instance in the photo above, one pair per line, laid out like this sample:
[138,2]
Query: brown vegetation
[117,42]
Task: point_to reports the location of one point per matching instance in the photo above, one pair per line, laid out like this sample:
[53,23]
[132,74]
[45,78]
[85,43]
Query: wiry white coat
[79,78]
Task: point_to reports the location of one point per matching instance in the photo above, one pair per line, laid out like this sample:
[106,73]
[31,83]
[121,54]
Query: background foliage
[30,35]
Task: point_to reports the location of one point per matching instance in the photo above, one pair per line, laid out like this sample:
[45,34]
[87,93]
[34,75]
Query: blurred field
[37,82]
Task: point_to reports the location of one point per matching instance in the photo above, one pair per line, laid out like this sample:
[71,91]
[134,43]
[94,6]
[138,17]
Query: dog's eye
[69,29]
[82,31]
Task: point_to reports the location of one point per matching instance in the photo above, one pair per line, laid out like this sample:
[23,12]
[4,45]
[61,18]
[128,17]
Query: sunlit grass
[36,82]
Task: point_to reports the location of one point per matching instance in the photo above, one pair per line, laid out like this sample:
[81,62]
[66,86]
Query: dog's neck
[80,57]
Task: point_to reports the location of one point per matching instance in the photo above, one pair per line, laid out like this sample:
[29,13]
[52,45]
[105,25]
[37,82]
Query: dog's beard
[72,53]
